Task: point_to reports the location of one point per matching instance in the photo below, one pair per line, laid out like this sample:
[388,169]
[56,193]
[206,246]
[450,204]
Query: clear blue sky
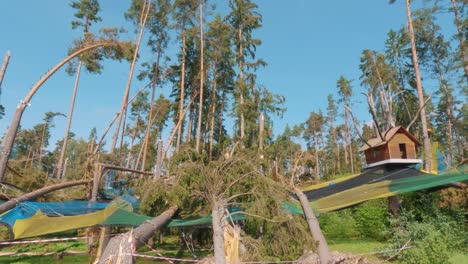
[307,45]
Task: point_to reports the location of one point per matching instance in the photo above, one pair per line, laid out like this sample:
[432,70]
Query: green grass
[363,247]
[357,247]
[459,258]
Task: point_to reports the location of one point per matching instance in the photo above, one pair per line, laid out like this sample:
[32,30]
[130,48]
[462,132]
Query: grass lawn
[363,247]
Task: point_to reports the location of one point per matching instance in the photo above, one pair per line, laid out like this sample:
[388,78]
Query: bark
[189,126]
[182,91]
[348,142]
[241,80]
[10,204]
[150,115]
[9,138]
[419,88]
[4,67]
[200,103]
[121,247]
[97,173]
[220,118]
[337,152]
[394,206]
[143,18]
[159,159]
[351,155]
[460,38]
[60,164]
[316,157]
[212,112]
[315,231]
[218,222]
[260,133]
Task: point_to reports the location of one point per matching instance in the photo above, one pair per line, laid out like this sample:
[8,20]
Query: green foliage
[433,233]
[87,11]
[429,244]
[339,225]
[371,220]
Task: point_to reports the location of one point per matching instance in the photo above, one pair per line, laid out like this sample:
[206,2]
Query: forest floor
[365,248]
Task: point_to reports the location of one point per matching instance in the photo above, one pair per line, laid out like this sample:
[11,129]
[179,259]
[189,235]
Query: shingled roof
[375,142]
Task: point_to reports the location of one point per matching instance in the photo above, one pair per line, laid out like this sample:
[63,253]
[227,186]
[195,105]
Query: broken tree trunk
[123,108]
[9,138]
[10,204]
[60,171]
[419,89]
[120,248]
[218,222]
[312,222]
[4,67]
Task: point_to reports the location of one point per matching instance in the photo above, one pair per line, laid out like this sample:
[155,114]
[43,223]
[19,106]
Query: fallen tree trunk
[316,232]
[121,248]
[35,194]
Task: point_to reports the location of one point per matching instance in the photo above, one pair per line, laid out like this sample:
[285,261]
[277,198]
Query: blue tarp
[65,208]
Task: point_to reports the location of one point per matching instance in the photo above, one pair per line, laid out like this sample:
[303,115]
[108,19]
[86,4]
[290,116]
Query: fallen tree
[10,204]
[121,247]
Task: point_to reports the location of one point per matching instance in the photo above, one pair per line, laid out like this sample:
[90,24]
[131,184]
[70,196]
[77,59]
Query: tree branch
[356,127]
[417,112]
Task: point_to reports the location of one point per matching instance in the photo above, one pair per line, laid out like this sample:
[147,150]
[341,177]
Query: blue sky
[307,45]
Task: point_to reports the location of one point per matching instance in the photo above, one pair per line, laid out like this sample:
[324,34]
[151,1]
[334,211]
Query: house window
[403,151]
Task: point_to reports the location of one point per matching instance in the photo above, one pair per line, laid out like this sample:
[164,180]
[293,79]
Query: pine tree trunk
[212,113]
[317,170]
[150,115]
[189,125]
[314,227]
[121,247]
[337,152]
[460,38]
[10,204]
[346,139]
[220,119]
[59,170]
[425,132]
[200,103]
[260,132]
[4,67]
[123,107]
[241,90]
[351,156]
[218,223]
[159,159]
[182,91]
[9,138]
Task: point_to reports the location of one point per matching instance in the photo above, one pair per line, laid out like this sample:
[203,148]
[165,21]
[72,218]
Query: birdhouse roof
[388,135]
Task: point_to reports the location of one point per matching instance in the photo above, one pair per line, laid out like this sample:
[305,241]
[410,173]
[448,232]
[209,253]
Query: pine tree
[87,14]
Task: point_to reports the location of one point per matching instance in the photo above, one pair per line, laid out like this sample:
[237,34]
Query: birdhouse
[397,146]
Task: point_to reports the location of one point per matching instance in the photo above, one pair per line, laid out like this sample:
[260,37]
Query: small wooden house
[397,146]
